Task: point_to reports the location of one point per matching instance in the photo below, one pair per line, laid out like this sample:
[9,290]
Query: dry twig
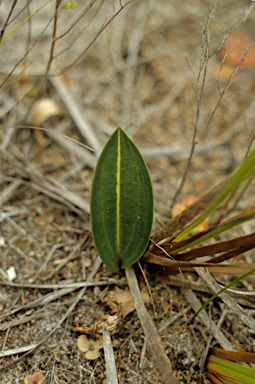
[109,358]
[79,118]
[219,336]
[208,279]
[151,334]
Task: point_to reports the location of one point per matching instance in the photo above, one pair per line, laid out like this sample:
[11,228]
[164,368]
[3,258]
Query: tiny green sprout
[71,4]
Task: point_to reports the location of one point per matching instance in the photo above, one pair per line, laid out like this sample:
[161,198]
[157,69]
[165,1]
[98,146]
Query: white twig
[225,297]
[15,212]
[143,352]
[175,151]
[23,320]
[81,153]
[9,191]
[79,118]
[151,334]
[14,351]
[109,358]
[218,335]
[48,258]
[60,286]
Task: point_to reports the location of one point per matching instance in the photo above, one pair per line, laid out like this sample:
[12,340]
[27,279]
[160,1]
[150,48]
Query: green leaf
[121,203]
[71,4]
[246,215]
[225,369]
[244,172]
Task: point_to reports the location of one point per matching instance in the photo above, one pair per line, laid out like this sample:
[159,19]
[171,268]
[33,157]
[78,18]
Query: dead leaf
[124,298]
[36,378]
[110,321]
[233,52]
[185,203]
[43,109]
[240,42]
[90,346]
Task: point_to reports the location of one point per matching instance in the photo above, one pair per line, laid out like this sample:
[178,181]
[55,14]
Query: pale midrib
[118,194]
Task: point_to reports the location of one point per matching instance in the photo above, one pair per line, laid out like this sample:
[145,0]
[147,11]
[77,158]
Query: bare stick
[109,358]
[105,24]
[72,256]
[7,20]
[143,353]
[14,351]
[23,320]
[48,258]
[53,39]
[219,336]
[25,55]
[9,191]
[249,296]
[182,152]
[79,118]
[151,334]
[72,25]
[73,286]
[41,301]
[81,153]
[232,304]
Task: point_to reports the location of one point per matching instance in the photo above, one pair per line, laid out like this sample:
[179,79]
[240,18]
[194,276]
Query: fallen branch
[109,358]
[14,351]
[23,320]
[151,334]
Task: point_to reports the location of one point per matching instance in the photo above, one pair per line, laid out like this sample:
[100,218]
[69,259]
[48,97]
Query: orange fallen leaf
[188,200]
[240,42]
[124,298]
[185,203]
[36,378]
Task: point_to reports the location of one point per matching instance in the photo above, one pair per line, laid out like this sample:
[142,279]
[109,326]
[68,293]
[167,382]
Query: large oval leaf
[121,203]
